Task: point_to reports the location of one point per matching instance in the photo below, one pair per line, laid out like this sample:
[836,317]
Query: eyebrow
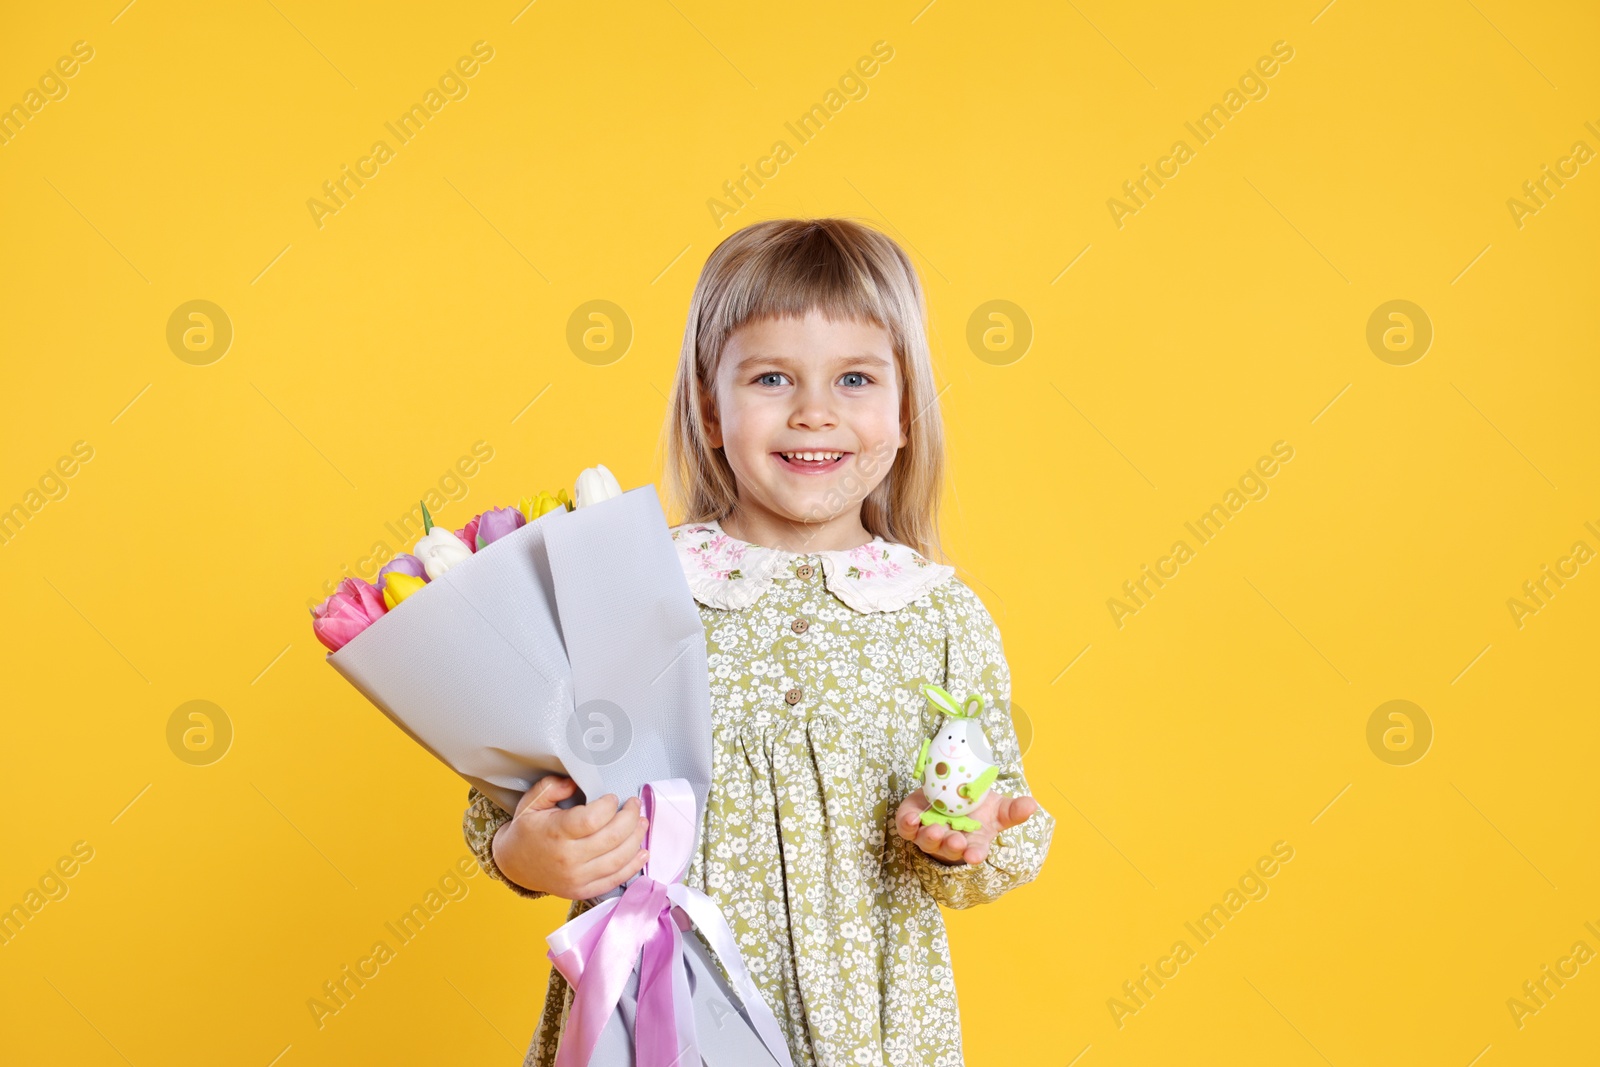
[862,359]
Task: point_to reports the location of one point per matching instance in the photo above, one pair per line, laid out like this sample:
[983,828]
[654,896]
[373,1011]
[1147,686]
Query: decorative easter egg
[956,765]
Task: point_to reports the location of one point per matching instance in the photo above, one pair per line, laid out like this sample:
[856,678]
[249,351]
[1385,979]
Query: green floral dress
[817,718]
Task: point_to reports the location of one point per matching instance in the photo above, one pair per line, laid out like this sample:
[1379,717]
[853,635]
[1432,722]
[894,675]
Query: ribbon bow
[597,951]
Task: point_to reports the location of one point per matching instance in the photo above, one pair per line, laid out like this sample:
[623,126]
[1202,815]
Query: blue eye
[863,379]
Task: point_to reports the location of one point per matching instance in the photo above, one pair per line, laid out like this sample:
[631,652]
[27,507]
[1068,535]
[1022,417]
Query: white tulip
[439,550]
[596,484]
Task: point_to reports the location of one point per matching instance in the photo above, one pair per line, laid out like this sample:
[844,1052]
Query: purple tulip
[496,523]
[405,563]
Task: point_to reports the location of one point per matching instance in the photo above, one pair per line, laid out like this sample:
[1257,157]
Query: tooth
[812,457]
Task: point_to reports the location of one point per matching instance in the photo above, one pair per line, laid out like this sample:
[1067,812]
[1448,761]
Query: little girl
[804,444]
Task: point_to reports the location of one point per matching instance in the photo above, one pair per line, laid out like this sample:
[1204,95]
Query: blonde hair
[784,268]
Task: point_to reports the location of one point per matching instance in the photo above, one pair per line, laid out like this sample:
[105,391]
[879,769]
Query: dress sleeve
[478,825]
[975,662]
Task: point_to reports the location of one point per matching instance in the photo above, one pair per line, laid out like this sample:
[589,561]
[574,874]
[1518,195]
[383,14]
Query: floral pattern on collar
[725,572]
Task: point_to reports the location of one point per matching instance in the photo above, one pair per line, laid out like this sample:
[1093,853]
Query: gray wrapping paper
[571,646]
[636,648]
[722,1030]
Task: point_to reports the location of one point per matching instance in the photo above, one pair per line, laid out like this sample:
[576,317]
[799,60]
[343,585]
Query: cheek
[879,420]
[878,430]
[749,430]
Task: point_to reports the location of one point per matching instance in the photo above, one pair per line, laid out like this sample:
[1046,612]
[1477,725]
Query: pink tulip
[469,533]
[346,613]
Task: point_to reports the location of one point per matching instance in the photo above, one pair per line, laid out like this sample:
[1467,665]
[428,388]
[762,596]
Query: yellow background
[1229,313]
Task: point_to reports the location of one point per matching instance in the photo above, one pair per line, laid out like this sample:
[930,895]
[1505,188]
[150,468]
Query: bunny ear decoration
[972,708]
[942,700]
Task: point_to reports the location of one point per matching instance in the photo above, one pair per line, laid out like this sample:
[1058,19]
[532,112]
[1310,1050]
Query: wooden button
[799,626]
[805,570]
[793,696]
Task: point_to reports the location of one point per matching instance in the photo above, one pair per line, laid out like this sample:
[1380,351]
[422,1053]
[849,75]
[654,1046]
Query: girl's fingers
[617,858]
[931,838]
[908,818]
[546,792]
[627,825]
[1012,811]
[996,812]
[585,819]
[954,845]
[607,884]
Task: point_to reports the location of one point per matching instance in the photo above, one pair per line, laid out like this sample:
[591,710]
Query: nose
[813,407]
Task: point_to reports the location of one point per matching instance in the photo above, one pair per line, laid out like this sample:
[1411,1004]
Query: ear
[708,417]
[974,706]
[942,700]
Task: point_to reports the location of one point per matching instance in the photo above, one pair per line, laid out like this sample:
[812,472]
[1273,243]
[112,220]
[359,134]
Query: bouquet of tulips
[560,637]
[357,604]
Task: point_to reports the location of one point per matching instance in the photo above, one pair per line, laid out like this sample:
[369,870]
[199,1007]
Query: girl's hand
[576,853]
[995,811]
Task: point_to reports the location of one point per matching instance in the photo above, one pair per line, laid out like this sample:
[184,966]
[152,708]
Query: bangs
[803,269]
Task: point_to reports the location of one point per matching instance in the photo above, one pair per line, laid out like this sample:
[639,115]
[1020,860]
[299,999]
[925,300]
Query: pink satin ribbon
[597,951]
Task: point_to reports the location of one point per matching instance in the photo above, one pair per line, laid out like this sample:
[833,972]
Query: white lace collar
[725,572]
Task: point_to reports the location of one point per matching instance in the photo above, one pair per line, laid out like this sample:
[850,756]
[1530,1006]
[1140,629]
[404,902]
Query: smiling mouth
[812,462]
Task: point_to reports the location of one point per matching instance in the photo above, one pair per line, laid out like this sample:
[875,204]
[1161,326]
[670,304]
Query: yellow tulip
[544,503]
[397,586]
